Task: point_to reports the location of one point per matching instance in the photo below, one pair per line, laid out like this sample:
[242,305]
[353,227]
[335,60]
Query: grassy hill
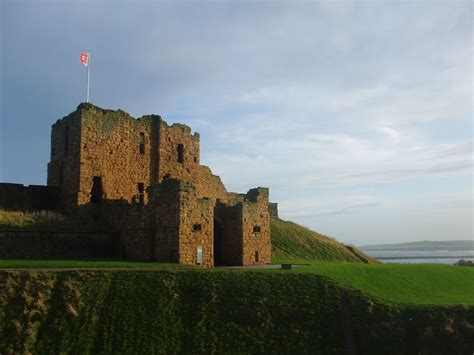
[217,311]
[291,241]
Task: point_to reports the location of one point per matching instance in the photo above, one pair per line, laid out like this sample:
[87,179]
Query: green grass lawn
[417,284]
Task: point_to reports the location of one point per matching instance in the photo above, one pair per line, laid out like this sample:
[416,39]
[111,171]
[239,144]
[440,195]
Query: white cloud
[311,99]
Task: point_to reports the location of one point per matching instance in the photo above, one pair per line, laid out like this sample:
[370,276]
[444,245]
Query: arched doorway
[217,244]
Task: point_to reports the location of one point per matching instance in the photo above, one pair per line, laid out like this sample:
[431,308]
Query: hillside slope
[199,311]
[292,241]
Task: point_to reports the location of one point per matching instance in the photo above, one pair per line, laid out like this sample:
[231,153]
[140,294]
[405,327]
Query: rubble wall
[230,220]
[196,229]
[64,168]
[118,149]
[29,198]
[23,244]
[256,228]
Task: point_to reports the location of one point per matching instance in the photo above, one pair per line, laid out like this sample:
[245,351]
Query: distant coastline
[425,245]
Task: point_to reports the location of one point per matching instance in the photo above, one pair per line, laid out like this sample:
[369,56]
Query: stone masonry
[144,176]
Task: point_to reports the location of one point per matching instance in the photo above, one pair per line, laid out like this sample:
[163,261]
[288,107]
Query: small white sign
[199,255]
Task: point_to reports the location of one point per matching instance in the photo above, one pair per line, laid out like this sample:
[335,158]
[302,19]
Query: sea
[420,256]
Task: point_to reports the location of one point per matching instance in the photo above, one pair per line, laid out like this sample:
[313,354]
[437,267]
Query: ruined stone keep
[144,177]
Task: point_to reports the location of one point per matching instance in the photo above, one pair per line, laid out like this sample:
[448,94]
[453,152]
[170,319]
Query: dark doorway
[96,192]
[217,244]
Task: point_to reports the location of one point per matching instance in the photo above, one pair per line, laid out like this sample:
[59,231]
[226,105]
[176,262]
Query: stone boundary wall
[273,209]
[25,198]
[23,244]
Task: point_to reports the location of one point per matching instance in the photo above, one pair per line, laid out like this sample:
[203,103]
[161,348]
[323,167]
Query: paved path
[180,268]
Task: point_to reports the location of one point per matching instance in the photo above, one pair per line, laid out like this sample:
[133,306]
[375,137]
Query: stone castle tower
[145,178]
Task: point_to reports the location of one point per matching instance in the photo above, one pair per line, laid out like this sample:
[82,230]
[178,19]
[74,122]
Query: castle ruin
[145,178]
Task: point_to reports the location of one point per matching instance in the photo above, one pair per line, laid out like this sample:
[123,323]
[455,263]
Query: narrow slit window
[141,193]
[256,257]
[141,146]
[180,153]
[197,227]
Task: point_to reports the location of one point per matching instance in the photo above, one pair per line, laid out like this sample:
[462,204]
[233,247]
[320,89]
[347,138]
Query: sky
[356,115]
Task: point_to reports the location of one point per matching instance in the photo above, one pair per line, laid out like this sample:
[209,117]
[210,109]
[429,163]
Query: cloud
[313,100]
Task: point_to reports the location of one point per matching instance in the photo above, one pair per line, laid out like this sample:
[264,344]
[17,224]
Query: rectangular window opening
[256,229]
[141,146]
[180,153]
[197,227]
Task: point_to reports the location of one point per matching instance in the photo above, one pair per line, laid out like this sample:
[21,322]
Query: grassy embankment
[395,284]
[214,311]
[50,221]
[292,242]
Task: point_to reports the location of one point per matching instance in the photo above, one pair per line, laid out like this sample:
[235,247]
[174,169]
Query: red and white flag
[84,57]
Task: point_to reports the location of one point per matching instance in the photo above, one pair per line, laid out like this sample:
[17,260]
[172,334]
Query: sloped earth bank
[189,311]
[292,241]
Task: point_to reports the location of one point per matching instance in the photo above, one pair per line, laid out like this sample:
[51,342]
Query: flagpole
[88,75]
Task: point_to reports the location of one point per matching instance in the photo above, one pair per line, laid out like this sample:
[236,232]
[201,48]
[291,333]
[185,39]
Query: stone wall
[229,223]
[196,230]
[122,153]
[28,198]
[63,245]
[178,137]
[256,228]
[273,209]
[178,152]
[245,228]
[136,244]
[132,221]
[165,204]
[64,166]
[119,150]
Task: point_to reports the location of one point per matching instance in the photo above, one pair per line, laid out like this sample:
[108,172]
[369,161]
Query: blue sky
[357,115]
